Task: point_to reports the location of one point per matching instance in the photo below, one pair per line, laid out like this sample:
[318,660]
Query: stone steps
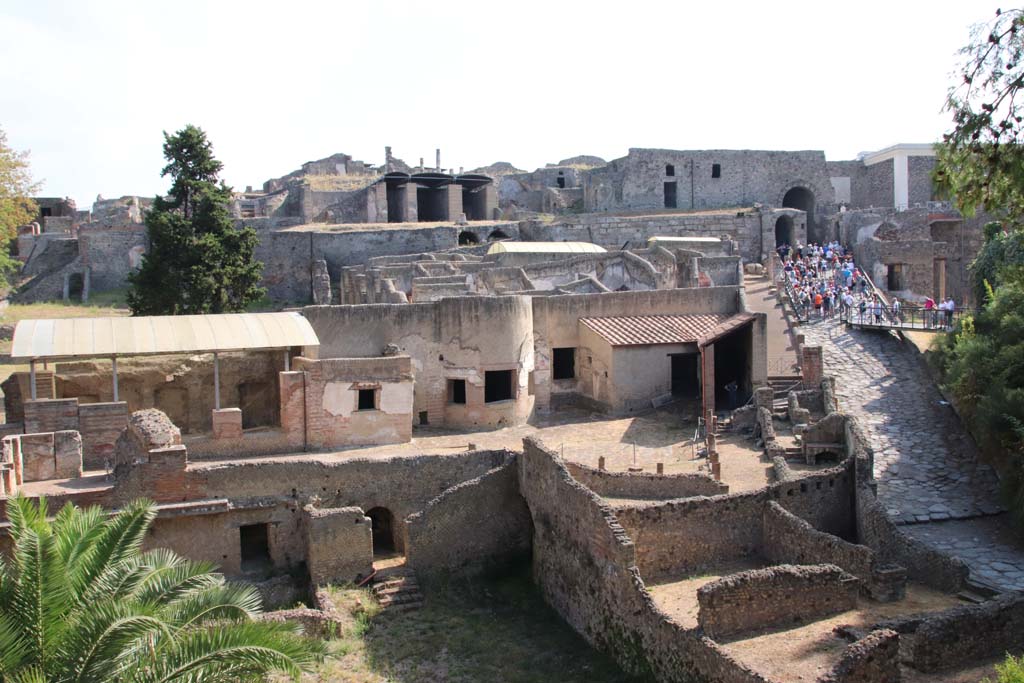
[397,589]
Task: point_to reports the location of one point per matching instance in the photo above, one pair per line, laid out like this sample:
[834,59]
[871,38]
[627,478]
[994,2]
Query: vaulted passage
[803,199]
[784,231]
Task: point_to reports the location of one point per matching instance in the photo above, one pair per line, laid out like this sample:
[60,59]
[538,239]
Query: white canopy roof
[545,248]
[162,334]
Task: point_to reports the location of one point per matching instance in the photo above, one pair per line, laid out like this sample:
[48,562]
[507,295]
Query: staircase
[781,386]
[397,589]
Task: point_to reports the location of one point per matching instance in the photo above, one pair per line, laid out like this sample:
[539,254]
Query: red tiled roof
[662,329]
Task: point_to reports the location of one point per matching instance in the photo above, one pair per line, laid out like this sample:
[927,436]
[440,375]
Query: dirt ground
[806,652]
[658,436]
[678,599]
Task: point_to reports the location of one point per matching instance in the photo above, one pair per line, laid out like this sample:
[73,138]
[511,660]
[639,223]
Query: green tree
[16,204]
[981,160]
[80,602]
[197,262]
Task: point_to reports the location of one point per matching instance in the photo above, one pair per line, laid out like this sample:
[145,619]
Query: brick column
[454,201]
[708,377]
[811,365]
[293,406]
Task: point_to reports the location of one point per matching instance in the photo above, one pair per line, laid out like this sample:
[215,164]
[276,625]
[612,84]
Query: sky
[89,86]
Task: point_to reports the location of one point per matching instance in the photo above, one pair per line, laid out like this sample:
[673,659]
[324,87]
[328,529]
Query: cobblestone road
[925,464]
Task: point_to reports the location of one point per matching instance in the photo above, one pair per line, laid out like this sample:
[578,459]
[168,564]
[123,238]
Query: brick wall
[100,425]
[765,598]
[51,415]
[472,526]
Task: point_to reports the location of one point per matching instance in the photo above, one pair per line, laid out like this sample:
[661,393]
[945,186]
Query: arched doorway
[784,231]
[466,238]
[803,199]
[382,522]
[497,235]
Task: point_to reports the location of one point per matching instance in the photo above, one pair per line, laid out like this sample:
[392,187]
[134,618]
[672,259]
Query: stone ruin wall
[775,596]
[477,525]
[645,485]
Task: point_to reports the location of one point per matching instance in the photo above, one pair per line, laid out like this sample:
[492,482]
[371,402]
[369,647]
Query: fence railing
[908,317]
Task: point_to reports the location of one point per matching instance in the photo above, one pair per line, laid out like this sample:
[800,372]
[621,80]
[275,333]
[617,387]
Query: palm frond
[121,538]
[226,601]
[258,646]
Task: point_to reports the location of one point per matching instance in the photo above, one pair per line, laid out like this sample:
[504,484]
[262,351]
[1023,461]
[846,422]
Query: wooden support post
[113,361]
[32,379]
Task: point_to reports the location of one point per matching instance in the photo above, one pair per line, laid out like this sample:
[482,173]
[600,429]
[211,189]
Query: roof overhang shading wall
[699,328]
[71,338]
[545,248]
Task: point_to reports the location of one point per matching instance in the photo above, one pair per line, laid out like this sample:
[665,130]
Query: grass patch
[468,631]
[103,305]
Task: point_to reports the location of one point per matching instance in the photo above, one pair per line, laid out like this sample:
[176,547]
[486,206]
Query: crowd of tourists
[824,281]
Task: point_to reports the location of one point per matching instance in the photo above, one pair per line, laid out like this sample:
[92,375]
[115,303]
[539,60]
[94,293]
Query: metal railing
[908,317]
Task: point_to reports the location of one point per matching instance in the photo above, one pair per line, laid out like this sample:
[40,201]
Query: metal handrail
[910,317]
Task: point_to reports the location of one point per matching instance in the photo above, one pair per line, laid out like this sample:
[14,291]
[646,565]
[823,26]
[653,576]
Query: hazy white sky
[88,86]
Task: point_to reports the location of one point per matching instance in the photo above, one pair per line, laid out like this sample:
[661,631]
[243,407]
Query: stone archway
[467,238]
[784,231]
[800,197]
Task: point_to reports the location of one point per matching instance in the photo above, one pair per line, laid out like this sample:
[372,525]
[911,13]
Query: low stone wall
[645,485]
[872,659]
[764,598]
[679,537]
[791,540]
[479,523]
[970,633]
[878,532]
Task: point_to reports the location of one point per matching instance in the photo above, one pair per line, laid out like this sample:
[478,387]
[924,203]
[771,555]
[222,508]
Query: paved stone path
[925,464]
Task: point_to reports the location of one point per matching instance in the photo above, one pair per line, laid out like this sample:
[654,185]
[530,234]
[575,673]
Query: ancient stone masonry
[645,485]
[763,598]
[479,524]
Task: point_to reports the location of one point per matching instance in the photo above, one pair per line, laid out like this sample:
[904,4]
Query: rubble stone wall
[775,596]
[645,485]
[474,525]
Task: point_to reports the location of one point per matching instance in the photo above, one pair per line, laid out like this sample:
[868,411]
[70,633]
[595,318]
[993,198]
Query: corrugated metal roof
[160,334]
[545,248]
[664,329]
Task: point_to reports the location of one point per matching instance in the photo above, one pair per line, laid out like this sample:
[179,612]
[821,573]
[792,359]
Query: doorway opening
[894,281]
[76,286]
[382,524]
[685,381]
[803,199]
[255,547]
[670,195]
[466,238]
[783,231]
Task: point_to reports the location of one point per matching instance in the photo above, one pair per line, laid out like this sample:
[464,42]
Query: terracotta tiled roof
[662,329]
